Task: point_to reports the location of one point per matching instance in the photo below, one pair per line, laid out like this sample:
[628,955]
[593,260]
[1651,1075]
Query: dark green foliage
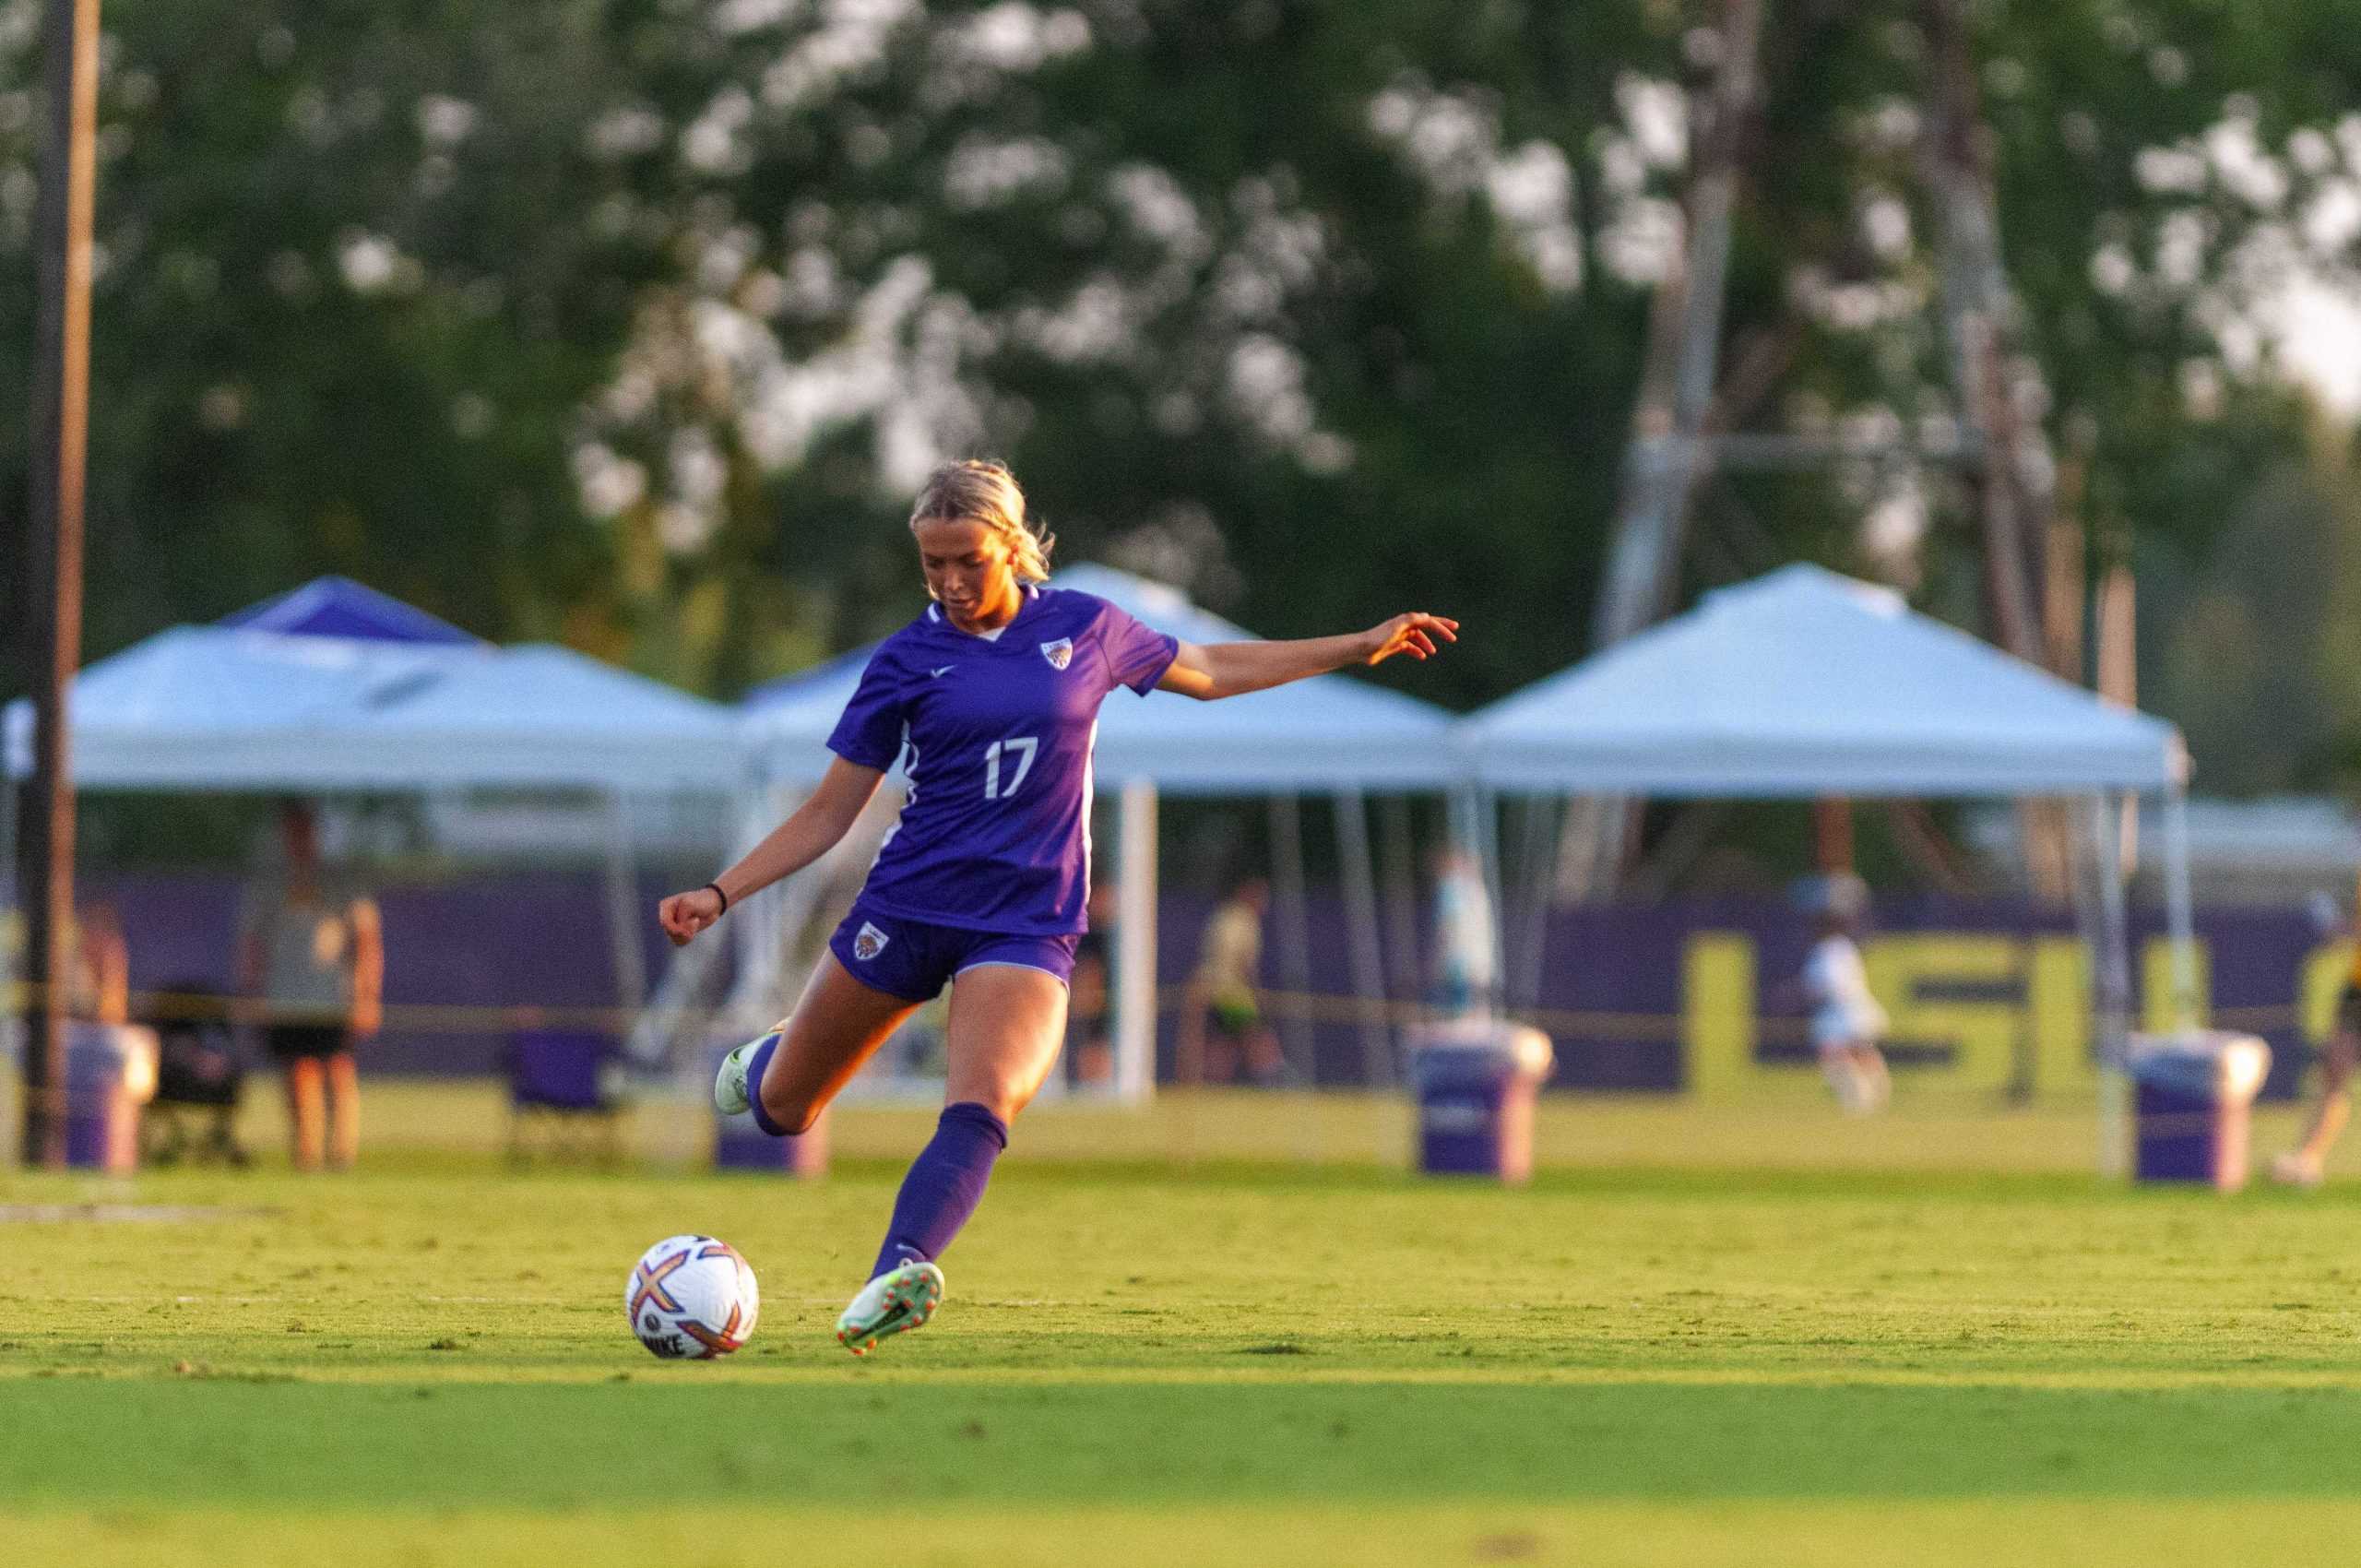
[279,393]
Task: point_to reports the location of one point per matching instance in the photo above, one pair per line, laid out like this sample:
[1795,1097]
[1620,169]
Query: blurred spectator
[1846,1021]
[98,967]
[314,959]
[1467,958]
[1221,1018]
[2303,1165]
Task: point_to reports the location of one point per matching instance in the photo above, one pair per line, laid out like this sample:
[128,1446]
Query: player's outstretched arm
[1226,669]
[803,838]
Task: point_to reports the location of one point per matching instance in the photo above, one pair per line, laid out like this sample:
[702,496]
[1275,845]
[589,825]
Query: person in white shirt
[1846,1021]
[1467,967]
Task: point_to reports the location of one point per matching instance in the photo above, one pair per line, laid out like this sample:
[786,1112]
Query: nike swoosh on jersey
[944,671]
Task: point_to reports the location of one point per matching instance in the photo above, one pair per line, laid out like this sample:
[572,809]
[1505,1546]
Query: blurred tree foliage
[633,322]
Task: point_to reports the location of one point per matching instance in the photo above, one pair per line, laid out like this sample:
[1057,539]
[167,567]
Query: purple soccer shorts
[914,960]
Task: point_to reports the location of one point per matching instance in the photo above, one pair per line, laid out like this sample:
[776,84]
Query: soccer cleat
[2297,1169]
[894,1302]
[729,1093]
[731,1089]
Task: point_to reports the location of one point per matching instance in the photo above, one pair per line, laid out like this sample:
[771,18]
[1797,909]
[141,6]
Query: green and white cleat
[894,1302]
[729,1092]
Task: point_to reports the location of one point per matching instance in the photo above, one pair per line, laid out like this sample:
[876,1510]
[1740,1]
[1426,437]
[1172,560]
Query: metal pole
[1360,923]
[1134,996]
[60,399]
[1402,897]
[13,1006]
[2112,972]
[2180,906]
[760,950]
[1668,460]
[1545,821]
[623,907]
[1291,905]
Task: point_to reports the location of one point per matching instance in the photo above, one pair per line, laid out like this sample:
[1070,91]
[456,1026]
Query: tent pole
[1360,922]
[1488,848]
[765,943]
[1459,821]
[1401,896]
[2180,906]
[8,788]
[1294,941]
[2113,967]
[1134,997]
[1514,829]
[12,1009]
[1544,827]
[623,909]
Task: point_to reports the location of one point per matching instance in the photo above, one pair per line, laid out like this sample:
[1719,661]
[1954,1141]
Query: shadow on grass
[660,1440]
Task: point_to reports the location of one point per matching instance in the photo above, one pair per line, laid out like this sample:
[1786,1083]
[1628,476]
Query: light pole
[61,400]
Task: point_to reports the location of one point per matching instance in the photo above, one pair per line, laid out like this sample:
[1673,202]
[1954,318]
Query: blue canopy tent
[391,700]
[1330,734]
[336,687]
[1803,682]
[339,607]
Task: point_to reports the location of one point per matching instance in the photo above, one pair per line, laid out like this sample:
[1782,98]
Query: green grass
[1225,1361]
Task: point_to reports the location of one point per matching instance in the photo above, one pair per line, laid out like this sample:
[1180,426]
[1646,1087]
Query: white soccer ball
[692,1297]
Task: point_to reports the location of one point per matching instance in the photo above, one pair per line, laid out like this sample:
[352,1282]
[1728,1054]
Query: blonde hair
[979,491]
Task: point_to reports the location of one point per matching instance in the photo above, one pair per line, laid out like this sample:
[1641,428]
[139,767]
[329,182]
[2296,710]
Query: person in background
[313,961]
[2307,1163]
[1221,1017]
[1846,1021]
[97,966]
[1092,1012]
[1468,955]
[100,963]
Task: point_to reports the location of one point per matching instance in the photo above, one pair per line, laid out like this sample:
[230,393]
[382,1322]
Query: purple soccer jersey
[995,736]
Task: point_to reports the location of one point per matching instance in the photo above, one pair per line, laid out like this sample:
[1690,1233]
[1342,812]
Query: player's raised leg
[1007,1021]
[788,1076]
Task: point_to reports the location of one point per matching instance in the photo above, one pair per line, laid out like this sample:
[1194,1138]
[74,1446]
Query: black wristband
[720,895]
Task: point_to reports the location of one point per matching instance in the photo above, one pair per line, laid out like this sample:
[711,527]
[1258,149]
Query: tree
[634,323]
[347,305]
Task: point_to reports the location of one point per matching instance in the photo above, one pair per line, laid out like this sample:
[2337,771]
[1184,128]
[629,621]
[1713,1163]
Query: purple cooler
[2191,1096]
[739,1145]
[1477,1080]
[110,1074]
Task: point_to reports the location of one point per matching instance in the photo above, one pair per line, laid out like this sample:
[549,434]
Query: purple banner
[1987,996]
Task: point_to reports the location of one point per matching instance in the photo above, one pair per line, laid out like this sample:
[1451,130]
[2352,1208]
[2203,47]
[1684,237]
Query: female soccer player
[991,700]
[1845,1019]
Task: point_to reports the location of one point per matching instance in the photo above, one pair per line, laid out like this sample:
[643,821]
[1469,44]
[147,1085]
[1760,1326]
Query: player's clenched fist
[685,914]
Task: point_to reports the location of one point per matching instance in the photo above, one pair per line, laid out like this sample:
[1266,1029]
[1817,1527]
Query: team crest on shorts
[868,941]
[1060,653]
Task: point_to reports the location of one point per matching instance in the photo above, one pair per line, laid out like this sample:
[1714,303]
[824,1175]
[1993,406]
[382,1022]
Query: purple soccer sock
[755,1066]
[945,1183]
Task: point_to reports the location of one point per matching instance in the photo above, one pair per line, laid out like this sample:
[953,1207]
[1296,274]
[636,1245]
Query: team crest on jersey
[868,941]
[1060,653]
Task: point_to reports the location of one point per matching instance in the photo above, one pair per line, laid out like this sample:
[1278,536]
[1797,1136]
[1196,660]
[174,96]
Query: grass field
[1744,1344]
